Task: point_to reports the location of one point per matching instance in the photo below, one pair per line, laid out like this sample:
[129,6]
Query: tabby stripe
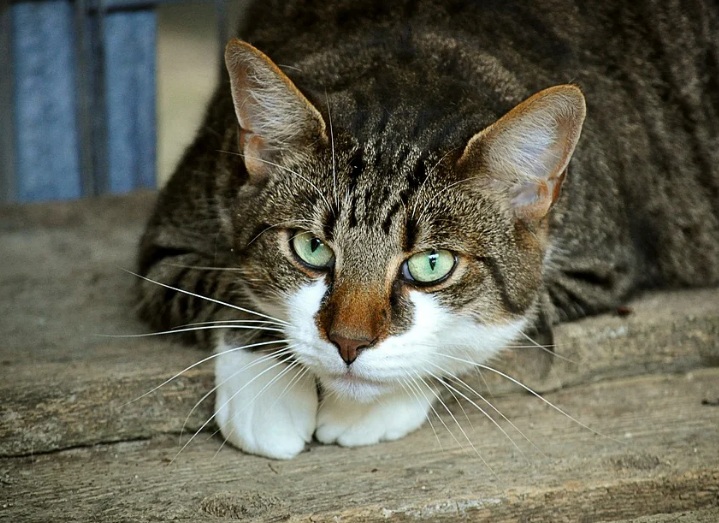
[409,238]
[496,274]
[387,223]
[153,255]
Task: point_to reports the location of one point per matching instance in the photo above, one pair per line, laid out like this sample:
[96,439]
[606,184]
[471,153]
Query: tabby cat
[382,195]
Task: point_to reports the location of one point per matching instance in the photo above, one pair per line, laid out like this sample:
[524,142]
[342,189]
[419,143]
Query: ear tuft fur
[275,118]
[525,153]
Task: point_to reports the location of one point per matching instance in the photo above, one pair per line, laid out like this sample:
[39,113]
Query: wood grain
[80,440]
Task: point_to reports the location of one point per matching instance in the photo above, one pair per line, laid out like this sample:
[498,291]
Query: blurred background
[102,96]
[189,48]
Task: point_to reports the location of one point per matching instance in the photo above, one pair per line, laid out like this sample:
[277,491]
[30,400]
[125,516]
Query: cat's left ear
[276,119]
[525,154]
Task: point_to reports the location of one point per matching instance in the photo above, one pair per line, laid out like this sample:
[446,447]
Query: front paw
[352,424]
[261,406]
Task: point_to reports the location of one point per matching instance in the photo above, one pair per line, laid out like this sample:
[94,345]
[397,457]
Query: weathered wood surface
[73,448]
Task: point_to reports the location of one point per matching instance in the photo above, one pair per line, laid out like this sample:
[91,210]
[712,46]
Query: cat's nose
[349,348]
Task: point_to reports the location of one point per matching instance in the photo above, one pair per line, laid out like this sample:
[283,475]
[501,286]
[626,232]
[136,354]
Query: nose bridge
[355,315]
[357,310]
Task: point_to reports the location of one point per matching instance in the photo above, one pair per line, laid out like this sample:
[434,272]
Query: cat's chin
[351,386]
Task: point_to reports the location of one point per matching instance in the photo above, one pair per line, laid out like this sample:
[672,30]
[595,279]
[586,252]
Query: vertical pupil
[315,244]
[432,259]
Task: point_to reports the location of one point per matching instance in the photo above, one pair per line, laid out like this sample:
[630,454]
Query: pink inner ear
[533,200]
[251,146]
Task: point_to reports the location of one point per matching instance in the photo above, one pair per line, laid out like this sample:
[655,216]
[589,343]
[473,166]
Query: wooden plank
[63,265]
[72,446]
[710,515]
[657,455]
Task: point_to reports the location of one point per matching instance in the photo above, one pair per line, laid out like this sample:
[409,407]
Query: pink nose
[349,348]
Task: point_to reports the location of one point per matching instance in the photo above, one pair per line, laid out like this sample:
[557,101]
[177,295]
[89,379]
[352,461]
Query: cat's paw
[352,424]
[261,407]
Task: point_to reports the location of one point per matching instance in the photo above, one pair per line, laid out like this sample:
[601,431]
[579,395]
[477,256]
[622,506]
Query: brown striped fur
[378,126]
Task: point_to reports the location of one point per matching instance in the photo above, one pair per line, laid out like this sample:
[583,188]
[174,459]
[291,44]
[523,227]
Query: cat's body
[383,157]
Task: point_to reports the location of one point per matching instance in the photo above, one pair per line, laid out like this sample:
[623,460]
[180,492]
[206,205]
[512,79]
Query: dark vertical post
[7,108]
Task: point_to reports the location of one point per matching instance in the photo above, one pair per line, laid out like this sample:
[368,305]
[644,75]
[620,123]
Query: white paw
[351,424]
[261,406]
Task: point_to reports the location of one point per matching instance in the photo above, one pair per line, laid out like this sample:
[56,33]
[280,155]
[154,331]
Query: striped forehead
[379,190]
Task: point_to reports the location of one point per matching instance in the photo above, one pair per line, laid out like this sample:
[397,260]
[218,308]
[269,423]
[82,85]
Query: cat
[384,194]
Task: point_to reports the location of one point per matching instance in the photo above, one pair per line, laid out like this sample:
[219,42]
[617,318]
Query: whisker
[259,393]
[295,379]
[531,391]
[548,349]
[203,360]
[416,394]
[456,422]
[495,409]
[214,415]
[459,426]
[453,389]
[180,330]
[212,300]
[332,144]
[202,267]
[226,322]
[269,355]
[434,411]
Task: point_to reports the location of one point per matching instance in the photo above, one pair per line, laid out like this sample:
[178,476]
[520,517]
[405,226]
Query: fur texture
[429,130]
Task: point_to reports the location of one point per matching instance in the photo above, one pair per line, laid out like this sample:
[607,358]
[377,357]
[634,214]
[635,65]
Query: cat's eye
[429,267]
[311,250]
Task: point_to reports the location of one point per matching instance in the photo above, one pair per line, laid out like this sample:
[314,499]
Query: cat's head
[390,263]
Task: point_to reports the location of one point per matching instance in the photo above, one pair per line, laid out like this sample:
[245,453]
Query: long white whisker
[456,422]
[212,300]
[227,322]
[259,393]
[418,396]
[531,391]
[332,144]
[204,360]
[549,349]
[431,406]
[214,415]
[295,379]
[459,426]
[454,390]
[495,409]
[179,330]
[258,361]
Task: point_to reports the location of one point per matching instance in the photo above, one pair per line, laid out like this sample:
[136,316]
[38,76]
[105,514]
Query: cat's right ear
[276,120]
[524,155]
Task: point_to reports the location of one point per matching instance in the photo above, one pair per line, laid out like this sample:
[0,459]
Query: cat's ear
[525,154]
[276,120]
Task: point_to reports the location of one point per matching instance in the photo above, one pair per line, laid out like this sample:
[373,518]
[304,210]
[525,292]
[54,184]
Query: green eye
[429,266]
[311,250]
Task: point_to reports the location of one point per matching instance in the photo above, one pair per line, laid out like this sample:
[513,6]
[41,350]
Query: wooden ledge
[72,447]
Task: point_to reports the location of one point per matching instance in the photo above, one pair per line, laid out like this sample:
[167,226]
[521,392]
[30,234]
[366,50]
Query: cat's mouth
[361,388]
